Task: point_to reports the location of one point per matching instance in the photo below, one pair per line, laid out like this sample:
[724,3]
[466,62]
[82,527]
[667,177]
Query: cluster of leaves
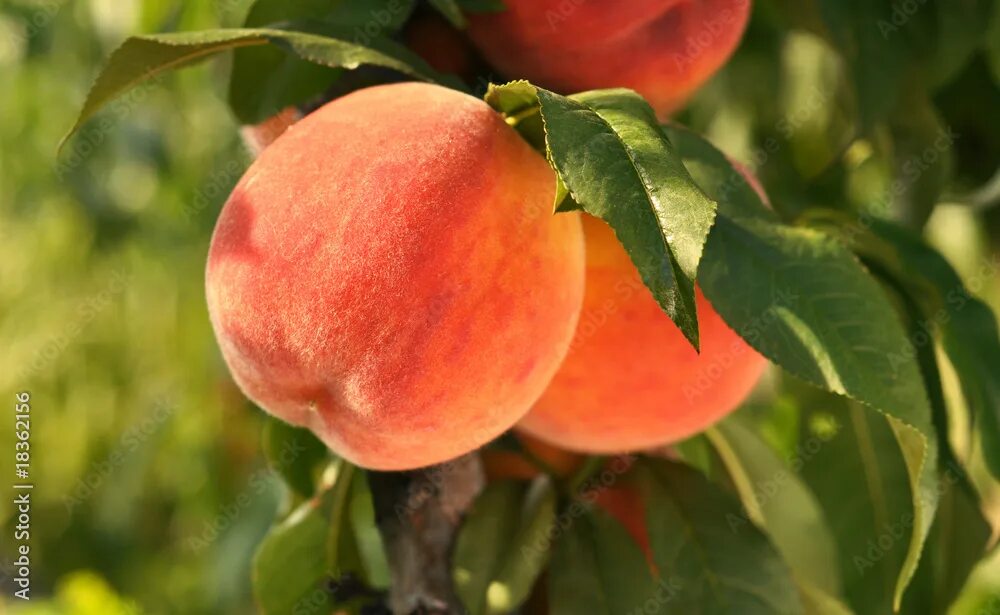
[858,308]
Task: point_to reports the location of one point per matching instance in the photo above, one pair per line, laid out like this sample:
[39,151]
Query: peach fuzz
[388,273]
[663,49]
[631,380]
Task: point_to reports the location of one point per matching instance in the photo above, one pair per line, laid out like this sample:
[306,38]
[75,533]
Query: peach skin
[663,49]
[631,381]
[388,273]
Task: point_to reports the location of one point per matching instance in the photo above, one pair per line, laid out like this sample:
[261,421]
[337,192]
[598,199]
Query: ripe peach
[631,381]
[259,136]
[389,274]
[663,49]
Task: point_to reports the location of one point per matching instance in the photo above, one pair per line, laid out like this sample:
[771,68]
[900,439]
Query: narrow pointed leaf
[503,546]
[779,502]
[719,563]
[616,163]
[141,58]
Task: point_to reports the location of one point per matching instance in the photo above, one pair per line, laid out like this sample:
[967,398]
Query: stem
[418,514]
[517,118]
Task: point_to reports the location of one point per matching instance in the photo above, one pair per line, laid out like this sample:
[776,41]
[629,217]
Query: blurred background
[151,493]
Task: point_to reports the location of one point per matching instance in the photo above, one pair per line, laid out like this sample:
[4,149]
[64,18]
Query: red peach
[663,49]
[388,273]
[631,380]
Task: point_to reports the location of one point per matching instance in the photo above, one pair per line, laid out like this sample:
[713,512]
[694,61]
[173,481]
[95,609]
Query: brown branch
[418,514]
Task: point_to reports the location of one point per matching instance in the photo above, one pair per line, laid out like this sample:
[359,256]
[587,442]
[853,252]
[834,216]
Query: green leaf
[295,454]
[301,557]
[817,602]
[617,164]
[993,43]
[290,568]
[716,561]
[141,58]
[860,478]
[965,325]
[777,500]
[959,30]
[598,569]
[341,550]
[957,543]
[803,300]
[922,158]
[265,80]
[371,548]
[503,546]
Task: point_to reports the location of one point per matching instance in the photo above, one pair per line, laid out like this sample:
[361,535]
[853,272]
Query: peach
[663,49]
[259,136]
[631,381]
[388,273]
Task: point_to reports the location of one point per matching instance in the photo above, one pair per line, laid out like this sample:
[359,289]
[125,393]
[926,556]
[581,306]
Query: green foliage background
[151,490]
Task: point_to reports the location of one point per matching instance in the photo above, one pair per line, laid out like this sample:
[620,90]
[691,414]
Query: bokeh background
[151,492]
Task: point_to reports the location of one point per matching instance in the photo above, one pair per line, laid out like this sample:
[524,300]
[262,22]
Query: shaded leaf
[803,300]
[295,454]
[966,326]
[957,543]
[922,160]
[598,569]
[288,568]
[777,500]
[716,561]
[371,548]
[860,479]
[503,546]
[874,46]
